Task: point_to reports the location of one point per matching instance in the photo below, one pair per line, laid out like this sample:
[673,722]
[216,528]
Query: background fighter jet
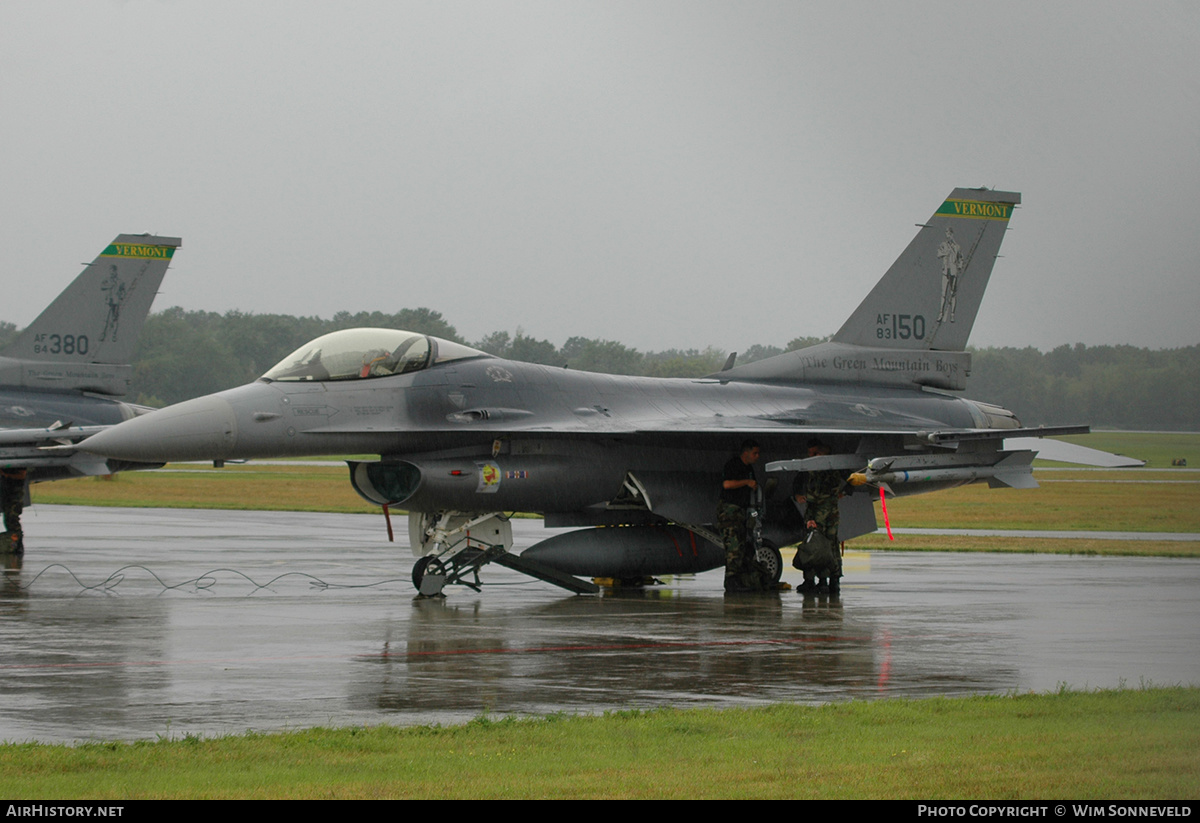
[58,378]
[464,437]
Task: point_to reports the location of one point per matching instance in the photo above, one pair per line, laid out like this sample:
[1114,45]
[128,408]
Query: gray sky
[667,174]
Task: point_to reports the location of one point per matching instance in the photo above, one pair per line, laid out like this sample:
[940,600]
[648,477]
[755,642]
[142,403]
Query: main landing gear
[770,560]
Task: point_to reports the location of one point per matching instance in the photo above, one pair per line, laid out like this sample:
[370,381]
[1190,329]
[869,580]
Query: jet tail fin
[928,299]
[98,317]
[912,328]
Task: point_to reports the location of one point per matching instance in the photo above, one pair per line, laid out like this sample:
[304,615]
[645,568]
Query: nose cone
[200,429]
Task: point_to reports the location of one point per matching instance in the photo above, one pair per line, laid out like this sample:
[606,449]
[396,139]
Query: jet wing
[1003,441]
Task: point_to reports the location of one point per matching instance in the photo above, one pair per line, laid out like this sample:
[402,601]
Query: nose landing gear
[455,545]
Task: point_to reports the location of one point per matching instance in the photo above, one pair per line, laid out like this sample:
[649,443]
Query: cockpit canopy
[355,354]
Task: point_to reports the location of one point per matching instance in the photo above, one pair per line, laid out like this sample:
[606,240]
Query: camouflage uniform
[740,569]
[12,501]
[733,513]
[821,491]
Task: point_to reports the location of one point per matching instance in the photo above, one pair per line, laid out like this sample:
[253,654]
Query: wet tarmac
[138,623]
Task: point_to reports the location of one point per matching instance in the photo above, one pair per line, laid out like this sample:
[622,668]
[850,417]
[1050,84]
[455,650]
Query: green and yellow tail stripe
[138,250]
[976,209]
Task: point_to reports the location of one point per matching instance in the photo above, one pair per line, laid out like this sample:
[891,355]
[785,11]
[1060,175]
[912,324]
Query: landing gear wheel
[427,564]
[771,561]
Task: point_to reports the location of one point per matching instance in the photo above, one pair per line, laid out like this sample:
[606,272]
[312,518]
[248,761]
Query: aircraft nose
[200,429]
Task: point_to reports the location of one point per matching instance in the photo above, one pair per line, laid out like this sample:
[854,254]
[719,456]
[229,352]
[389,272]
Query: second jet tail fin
[98,317]
[85,339]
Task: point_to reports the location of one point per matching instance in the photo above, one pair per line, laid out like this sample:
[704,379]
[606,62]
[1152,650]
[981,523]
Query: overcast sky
[667,174]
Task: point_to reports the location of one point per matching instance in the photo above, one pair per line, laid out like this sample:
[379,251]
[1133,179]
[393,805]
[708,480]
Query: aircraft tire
[771,560]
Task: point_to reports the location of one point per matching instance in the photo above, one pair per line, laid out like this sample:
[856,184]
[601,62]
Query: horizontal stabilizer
[1072,453]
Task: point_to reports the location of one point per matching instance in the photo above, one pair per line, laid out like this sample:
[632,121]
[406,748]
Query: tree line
[183,354]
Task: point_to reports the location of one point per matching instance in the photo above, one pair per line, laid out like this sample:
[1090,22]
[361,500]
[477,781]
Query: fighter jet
[59,379]
[465,439]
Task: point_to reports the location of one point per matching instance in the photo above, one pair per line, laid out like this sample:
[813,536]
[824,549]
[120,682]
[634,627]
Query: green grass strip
[1133,744]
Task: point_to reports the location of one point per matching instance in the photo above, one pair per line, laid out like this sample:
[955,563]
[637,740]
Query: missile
[1013,470]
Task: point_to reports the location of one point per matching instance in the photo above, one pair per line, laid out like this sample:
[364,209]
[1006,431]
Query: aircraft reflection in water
[464,437]
[59,378]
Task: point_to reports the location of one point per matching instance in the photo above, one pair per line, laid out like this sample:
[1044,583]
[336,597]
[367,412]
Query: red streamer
[388,517]
[883,504]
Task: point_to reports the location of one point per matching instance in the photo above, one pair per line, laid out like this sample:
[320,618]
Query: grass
[242,487]
[1104,501]
[1112,744]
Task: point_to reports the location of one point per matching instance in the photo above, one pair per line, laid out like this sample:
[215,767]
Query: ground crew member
[737,488]
[819,492]
[12,503]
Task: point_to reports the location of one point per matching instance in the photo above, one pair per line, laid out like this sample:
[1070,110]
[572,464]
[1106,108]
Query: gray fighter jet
[59,379]
[464,438]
